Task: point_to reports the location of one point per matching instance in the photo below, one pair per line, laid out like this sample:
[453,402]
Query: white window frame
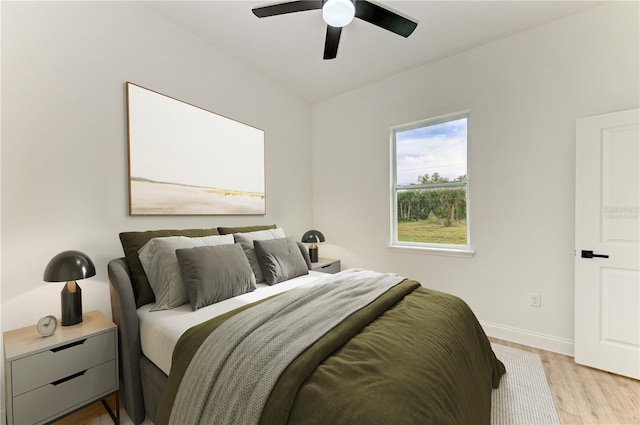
[425,247]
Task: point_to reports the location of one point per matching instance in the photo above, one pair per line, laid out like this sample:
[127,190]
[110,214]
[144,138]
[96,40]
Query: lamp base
[313,253]
[71,302]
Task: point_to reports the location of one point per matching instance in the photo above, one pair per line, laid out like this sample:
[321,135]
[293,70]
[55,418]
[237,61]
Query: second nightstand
[49,377]
[326,265]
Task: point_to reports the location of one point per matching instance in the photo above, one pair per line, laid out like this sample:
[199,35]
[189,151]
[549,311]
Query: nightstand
[50,377]
[326,265]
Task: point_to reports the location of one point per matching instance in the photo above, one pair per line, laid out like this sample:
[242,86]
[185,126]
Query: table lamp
[313,237]
[69,266]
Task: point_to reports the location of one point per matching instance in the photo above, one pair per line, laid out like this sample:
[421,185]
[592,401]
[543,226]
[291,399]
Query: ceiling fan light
[338,13]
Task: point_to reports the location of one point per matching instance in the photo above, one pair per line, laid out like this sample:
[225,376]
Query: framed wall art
[185,160]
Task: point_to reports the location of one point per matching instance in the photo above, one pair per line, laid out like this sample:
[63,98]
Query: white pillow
[159,261]
[246,241]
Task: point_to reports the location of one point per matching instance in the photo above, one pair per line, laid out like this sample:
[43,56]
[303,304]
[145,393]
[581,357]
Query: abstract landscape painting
[185,160]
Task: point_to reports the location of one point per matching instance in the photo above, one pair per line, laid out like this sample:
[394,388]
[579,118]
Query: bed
[359,346]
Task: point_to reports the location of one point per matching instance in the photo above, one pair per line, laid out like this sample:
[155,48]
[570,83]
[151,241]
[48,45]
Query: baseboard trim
[532,339]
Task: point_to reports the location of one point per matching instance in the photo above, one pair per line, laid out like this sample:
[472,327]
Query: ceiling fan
[339,13]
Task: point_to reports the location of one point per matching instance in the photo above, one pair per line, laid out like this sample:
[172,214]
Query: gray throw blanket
[235,369]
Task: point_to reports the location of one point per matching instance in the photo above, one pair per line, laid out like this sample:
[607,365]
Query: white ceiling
[288,48]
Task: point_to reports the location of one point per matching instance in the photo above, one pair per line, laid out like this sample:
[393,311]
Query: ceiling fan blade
[287,7]
[384,18]
[331,42]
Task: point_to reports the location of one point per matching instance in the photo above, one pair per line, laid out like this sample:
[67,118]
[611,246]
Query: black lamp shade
[313,237]
[69,266]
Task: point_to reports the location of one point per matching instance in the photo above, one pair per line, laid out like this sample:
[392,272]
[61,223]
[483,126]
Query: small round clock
[47,325]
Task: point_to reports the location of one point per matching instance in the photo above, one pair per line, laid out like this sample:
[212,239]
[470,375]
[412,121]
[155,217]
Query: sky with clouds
[440,148]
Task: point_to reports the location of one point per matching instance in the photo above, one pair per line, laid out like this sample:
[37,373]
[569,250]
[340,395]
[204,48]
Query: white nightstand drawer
[329,268]
[52,399]
[326,265]
[51,365]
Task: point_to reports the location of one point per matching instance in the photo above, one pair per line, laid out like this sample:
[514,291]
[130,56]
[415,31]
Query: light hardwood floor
[582,395]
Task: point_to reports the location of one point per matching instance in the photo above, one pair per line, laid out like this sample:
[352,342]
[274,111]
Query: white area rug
[523,397]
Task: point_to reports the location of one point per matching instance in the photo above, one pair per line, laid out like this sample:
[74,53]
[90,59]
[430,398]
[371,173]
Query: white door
[607,276]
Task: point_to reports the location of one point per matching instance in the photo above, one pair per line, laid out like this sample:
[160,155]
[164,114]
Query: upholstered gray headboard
[123,311]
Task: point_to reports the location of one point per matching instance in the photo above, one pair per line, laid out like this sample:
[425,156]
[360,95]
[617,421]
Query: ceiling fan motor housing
[338,13]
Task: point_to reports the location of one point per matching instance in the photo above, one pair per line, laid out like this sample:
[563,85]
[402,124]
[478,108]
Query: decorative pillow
[280,259]
[131,244]
[305,254]
[246,241]
[158,258]
[245,229]
[215,273]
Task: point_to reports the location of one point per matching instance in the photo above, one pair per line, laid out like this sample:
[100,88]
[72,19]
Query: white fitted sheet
[161,330]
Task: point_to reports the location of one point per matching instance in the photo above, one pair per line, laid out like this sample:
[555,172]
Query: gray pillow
[305,254]
[246,241]
[131,244]
[280,259]
[215,273]
[158,258]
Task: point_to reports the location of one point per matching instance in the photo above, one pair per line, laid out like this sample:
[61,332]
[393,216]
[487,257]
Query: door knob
[590,254]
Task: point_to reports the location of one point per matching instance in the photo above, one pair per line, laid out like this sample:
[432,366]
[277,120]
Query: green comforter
[414,356]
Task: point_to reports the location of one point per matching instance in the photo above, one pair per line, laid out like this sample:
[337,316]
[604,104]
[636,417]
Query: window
[430,184]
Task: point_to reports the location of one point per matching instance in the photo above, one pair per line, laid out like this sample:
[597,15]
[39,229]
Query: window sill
[466,252]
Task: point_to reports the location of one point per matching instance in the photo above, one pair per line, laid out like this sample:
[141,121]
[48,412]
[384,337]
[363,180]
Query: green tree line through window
[444,206]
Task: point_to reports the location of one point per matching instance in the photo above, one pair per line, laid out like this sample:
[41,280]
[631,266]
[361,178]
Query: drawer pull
[64,347]
[68,378]
[324,267]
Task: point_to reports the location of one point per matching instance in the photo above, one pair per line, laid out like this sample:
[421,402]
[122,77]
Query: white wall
[525,93]
[64,145]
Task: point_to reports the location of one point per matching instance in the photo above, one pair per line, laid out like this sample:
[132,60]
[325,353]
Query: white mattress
[160,330]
